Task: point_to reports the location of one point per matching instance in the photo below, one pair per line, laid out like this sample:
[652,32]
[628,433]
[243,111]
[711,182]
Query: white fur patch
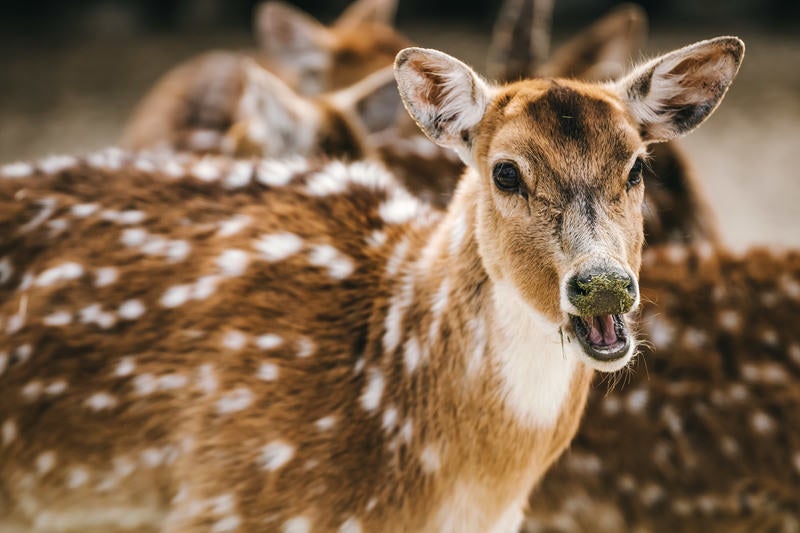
[268,341]
[48,207]
[58,318]
[267,372]
[278,246]
[8,431]
[325,423]
[399,209]
[373,391]
[101,401]
[233,225]
[276,454]
[16,170]
[430,460]
[338,264]
[535,368]
[351,525]
[394,316]
[280,173]
[6,270]
[411,354]
[298,524]
[56,163]
[236,400]
[131,309]
[105,276]
[239,175]
[63,272]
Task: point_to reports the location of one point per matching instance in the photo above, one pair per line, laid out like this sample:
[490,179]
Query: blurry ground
[60,97]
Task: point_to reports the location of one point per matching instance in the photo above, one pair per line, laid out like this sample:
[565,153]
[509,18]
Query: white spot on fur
[376,239]
[477,351]
[399,209]
[371,504]
[84,210]
[101,401]
[371,397]
[63,272]
[207,379]
[762,423]
[586,464]
[105,276]
[429,458]
[205,170]
[152,457]
[131,309]
[730,320]
[339,265]
[239,175]
[278,246]
[411,354]
[276,454]
[59,318]
[267,372]
[32,390]
[305,347]
[125,367]
[23,353]
[389,418]
[56,387]
[176,296]
[280,173]
[438,306]
[770,337]
[636,402]
[233,226]
[16,170]
[94,314]
[729,446]
[133,237]
[233,262]
[56,163]
[45,462]
[298,524]
[6,270]
[325,423]
[236,400]
[396,259]
[77,477]
[48,206]
[393,322]
[268,341]
[407,431]
[457,233]
[351,525]
[9,432]
[234,340]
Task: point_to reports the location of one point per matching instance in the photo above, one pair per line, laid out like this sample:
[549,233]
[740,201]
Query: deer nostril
[597,292]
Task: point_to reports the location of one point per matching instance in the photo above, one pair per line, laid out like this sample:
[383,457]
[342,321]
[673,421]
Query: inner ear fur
[673,94]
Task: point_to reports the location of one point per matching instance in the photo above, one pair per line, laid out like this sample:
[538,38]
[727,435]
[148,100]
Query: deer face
[558,165]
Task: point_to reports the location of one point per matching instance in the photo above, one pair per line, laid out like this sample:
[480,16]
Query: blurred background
[72,72]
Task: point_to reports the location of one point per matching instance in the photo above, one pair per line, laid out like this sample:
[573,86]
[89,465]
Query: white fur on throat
[534,366]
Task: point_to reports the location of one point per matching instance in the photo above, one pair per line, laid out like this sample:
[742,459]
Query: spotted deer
[219,345]
[706,436]
[676,208]
[199,105]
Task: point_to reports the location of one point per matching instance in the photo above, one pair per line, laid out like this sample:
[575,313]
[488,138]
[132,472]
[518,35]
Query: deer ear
[520,39]
[375,100]
[673,94]
[368,11]
[277,118]
[443,95]
[601,51]
[290,35]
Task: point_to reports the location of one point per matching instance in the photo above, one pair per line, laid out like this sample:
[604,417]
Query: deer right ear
[445,97]
[673,94]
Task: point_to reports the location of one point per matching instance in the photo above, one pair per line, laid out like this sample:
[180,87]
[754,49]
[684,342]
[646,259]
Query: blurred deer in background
[196,105]
[216,344]
[706,436]
[676,209]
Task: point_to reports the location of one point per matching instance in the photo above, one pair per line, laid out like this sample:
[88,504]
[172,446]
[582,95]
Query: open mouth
[603,337]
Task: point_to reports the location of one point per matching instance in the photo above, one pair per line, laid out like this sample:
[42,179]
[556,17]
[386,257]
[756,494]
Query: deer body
[409,324]
[234,345]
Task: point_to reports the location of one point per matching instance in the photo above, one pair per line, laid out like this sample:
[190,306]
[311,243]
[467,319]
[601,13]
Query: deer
[676,208]
[211,344]
[197,105]
[707,437]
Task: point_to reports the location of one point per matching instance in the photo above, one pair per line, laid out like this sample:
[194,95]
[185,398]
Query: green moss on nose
[603,294]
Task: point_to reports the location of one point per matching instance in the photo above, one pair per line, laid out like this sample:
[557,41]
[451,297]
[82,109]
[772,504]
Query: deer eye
[506,177]
[635,176]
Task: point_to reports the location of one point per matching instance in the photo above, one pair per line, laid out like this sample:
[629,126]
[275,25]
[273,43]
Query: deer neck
[484,377]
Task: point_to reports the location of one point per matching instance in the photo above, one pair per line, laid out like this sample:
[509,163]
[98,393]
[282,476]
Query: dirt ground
[59,97]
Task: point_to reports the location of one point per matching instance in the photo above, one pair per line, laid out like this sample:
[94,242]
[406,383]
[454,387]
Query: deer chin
[605,340]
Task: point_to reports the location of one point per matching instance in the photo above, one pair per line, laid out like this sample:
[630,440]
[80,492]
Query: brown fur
[703,435]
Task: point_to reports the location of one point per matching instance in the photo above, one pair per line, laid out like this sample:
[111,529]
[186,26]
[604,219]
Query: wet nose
[602,291]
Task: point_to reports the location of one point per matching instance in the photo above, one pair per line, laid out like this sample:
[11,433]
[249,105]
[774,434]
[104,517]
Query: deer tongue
[602,331]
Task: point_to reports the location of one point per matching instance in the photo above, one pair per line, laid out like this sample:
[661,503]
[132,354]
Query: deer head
[556,166]
[315,58]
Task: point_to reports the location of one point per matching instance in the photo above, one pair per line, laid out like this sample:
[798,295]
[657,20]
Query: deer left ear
[368,11]
[673,94]
[445,97]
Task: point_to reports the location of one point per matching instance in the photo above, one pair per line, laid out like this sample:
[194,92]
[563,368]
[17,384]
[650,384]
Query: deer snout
[607,290]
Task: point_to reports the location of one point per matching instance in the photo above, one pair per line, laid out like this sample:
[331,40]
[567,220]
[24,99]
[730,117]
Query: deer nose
[602,291]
